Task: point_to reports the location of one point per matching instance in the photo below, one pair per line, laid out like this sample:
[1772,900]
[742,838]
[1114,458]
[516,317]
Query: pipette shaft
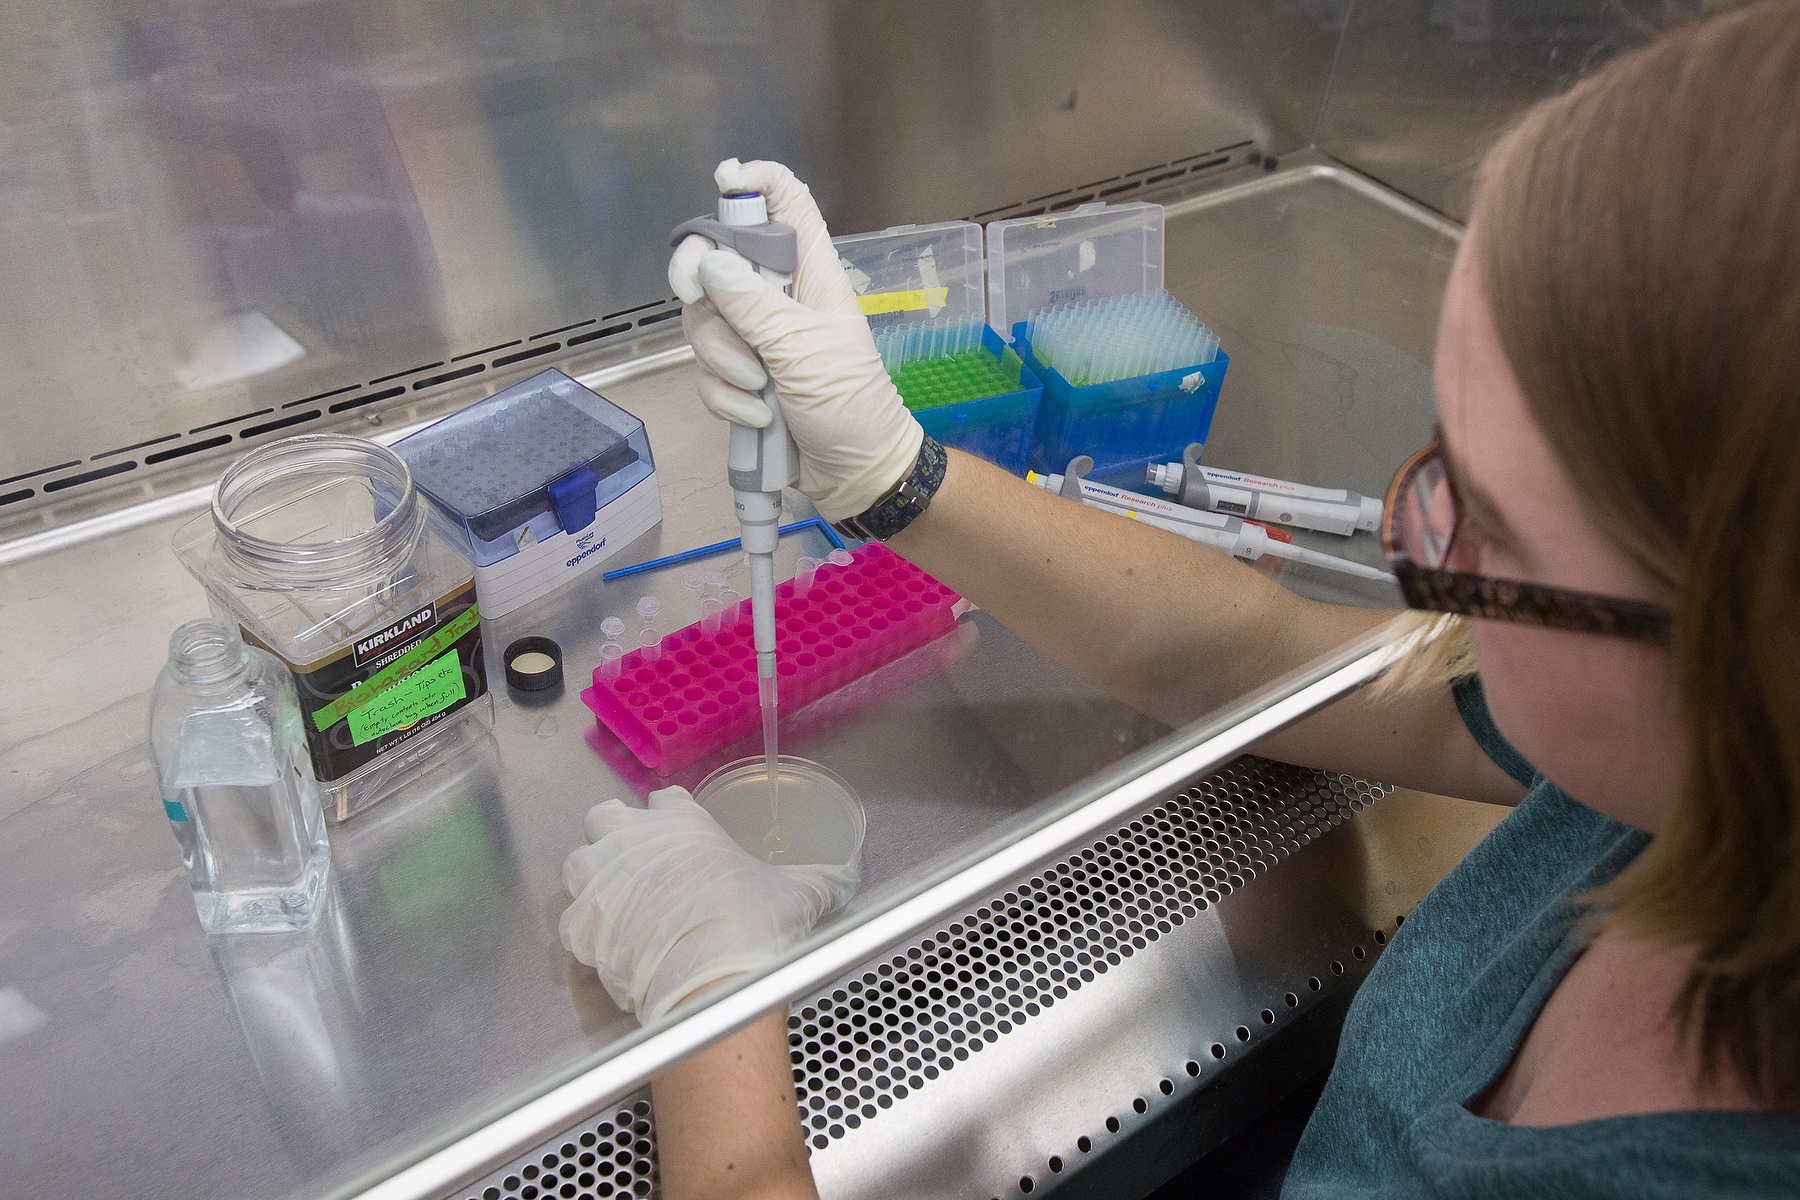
[760,463]
[1328,510]
[1237,537]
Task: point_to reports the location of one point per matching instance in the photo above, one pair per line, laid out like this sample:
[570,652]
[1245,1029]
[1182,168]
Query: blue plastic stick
[718,547]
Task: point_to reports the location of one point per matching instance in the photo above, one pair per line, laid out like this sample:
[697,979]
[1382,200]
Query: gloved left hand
[666,903]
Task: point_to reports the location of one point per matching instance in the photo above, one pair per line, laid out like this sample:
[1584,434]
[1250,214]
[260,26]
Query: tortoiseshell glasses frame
[1418,531]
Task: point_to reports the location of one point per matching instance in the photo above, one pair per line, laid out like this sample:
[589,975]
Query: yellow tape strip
[911,301]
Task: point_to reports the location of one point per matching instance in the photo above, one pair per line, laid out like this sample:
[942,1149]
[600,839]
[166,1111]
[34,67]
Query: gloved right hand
[667,904]
[855,436]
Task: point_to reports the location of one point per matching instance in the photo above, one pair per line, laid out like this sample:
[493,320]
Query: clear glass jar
[237,782]
[322,552]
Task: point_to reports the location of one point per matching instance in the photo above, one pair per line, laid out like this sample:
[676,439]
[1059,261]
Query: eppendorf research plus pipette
[759,462]
[1329,510]
[1235,536]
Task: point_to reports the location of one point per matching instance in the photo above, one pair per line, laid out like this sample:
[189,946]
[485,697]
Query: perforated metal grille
[614,1155]
[1132,185]
[890,1031]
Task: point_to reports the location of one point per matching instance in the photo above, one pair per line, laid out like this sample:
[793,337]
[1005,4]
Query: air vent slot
[248,426]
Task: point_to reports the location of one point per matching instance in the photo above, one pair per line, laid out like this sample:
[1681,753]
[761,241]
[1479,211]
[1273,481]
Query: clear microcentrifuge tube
[613,628]
[695,583]
[610,654]
[839,558]
[709,614]
[729,600]
[647,608]
[715,582]
[650,644]
[805,571]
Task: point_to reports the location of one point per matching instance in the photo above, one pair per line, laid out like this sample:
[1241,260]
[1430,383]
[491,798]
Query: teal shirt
[1449,1002]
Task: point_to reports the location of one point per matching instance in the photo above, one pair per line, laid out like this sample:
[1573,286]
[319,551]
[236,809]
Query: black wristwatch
[903,502]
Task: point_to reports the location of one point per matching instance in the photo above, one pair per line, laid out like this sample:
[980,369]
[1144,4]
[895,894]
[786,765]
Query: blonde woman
[1603,999]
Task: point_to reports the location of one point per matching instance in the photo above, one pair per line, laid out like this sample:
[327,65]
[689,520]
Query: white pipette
[759,462]
[1328,510]
[1235,536]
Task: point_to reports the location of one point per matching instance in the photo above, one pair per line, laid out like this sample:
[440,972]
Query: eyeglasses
[1418,531]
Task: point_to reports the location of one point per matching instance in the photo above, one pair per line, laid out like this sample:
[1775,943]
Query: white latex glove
[666,903]
[855,436]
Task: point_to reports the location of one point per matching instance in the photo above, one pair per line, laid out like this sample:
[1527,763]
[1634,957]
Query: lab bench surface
[142,1058]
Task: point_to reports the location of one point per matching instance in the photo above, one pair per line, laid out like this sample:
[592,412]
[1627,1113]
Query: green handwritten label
[397,670]
[428,690]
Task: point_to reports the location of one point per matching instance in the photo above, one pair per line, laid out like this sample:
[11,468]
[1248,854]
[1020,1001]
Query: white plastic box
[544,480]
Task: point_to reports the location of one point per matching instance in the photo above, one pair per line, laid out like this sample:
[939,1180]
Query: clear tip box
[913,273]
[1094,252]
[921,287]
[544,480]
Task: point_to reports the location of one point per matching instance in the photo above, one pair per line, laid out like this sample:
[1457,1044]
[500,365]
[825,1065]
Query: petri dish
[821,819]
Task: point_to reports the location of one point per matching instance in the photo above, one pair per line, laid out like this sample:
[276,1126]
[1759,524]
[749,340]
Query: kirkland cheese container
[322,552]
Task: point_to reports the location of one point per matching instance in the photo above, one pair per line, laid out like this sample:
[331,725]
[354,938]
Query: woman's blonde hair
[1639,242]
[1433,651]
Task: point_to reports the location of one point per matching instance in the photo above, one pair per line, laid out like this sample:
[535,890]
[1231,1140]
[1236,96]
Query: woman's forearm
[1171,628]
[1176,629]
[726,1125]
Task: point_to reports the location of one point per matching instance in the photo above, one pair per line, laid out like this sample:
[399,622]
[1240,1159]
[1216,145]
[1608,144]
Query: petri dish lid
[915,272]
[491,465]
[1088,252]
[821,817]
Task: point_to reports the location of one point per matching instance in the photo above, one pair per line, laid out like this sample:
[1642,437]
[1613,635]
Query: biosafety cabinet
[1087,948]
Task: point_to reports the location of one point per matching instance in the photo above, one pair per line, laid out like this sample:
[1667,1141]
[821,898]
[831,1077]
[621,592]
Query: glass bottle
[237,782]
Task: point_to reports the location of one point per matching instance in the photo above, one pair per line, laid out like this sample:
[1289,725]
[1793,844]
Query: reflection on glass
[418,937]
[298,999]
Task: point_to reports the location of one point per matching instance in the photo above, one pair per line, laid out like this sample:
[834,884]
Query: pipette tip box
[1125,425]
[922,278]
[543,482]
[699,692]
[1092,252]
[998,428]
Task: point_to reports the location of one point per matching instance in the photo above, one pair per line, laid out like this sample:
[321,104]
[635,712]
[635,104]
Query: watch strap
[901,505]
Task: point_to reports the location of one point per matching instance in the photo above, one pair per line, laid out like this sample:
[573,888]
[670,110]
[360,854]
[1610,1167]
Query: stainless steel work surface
[138,1057]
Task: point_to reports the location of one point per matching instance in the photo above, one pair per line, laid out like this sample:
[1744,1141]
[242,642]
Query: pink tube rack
[700,694]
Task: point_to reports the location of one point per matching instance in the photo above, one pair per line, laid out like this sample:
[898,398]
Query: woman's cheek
[1513,662]
[1595,715]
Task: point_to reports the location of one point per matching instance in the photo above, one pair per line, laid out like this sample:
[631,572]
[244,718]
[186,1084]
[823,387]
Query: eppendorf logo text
[400,631]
